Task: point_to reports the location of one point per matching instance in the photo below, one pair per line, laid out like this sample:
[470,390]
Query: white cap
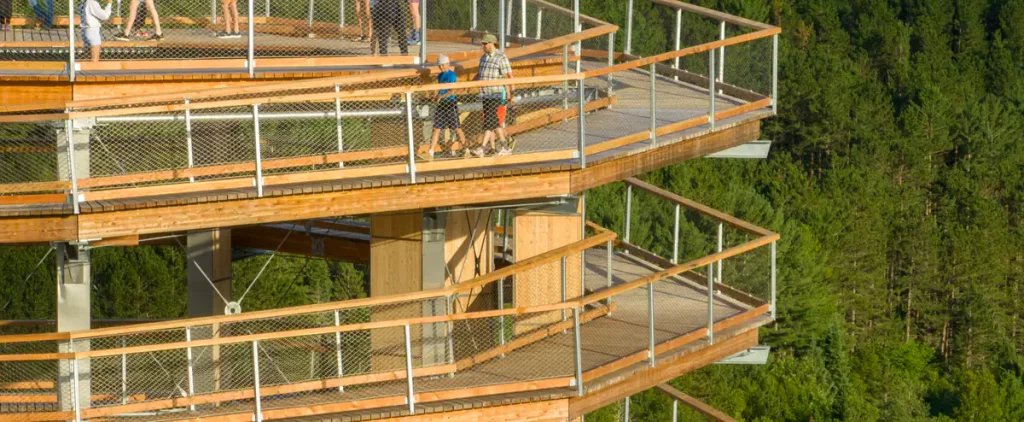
[443,59]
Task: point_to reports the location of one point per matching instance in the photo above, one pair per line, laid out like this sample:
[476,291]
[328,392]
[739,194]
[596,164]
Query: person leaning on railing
[494,66]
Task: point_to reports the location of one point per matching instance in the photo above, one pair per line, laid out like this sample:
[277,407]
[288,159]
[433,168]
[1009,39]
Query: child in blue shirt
[446,115]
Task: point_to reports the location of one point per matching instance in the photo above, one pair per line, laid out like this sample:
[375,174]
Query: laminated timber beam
[712,413]
[300,243]
[468,188]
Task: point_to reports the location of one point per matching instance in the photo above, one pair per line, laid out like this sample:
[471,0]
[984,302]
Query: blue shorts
[447,114]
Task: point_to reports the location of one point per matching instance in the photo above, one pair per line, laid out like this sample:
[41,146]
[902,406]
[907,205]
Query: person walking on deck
[446,115]
[388,17]
[133,10]
[494,66]
[92,16]
[230,9]
[45,16]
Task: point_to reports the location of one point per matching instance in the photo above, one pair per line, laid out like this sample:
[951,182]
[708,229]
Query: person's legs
[398,25]
[133,9]
[156,17]
[462,140]
[380,37]
[225,7]
[433,140]
[234,13]
[414,12]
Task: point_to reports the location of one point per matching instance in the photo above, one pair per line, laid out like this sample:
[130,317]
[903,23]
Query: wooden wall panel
[536,233]
[395,267]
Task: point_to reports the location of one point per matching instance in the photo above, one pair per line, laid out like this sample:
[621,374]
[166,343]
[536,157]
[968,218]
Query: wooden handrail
[700,208]
[713,14]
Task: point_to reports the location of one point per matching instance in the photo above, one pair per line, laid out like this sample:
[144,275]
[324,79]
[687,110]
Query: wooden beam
[39,229]
[545,410]
[298,242]
[699,208]
[699,406]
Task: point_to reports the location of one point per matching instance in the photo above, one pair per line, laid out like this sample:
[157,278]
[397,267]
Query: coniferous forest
[896,180]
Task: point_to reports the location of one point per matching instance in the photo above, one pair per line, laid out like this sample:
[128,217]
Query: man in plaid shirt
[494,66]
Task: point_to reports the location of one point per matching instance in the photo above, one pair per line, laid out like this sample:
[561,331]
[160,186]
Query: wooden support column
[209,250]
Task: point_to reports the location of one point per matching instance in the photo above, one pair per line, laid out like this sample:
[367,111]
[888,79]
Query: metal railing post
[188,138]
[625,410]
[711,88]
[191,367]
[259,154]
[719,249]
[611,62]
[540,20]
[576,28]
[565,288]
[721,53]
[451,329]
[775,74]
[582,125]
[629,211]
[213,7]
[629,27]
[502,29]
[69,128]
[650,322]
[654,107]
[124,374]
[579,350]
[711,303]
[71,40]
[565,82]
[74,388]
[266,10]
[338,122]
[679,30]
[675,410]
[412,144]
[675,239]
[341,13]
[773,304]
[309,16]
[423,32]
[608,265]
[522,18]
[408,370]
[257,400]
[251,42]
[337,349]
[473,17]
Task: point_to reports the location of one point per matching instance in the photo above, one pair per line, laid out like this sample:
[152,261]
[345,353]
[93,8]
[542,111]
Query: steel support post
[213,7]
[258,410]
[522,18]
[711,303]
[309,16]
[675,410]
[251,40]
[74,388]
[408,370]
[582,125]
[773,305]
[579,350]
[451,329]
[71,43]
[629,211]
[473,16]
[337,349]
[679,31]
[259,154]
[69,132]
[711,88]
[565,288]
[654,107]
[423,32]
[718,249]
[608,265]
[629,27]
[502,29]
[191,367]
[341,13]
[650,322]
[266,9]
[611,62]
[721,53]
[412,144]
[576,28]
[775,74]
[338,124]
[625,410]
[540,21]
[188,138]
[675,238]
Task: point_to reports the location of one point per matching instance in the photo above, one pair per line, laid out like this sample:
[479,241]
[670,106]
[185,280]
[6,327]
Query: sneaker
[156,37]
[479,152]
[414,38]
[430,153]
[122,37]
[511,143]
[504,152]
[235,35]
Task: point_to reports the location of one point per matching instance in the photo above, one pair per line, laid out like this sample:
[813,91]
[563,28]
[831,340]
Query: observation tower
[491,295]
